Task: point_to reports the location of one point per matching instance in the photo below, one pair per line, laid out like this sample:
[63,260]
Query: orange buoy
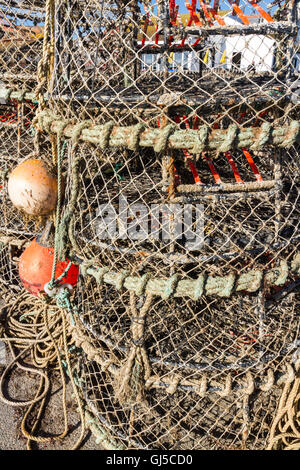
[35,268]
[32,187]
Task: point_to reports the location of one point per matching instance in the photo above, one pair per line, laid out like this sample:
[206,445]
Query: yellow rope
[40,330]
[46,64]
[285,429]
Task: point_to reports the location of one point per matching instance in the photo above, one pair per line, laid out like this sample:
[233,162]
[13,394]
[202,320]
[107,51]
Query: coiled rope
[285,429]
[37,329]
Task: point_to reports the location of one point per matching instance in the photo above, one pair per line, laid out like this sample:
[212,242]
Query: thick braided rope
[46,63]
[194,141]
[136,370]
[31,329]
[60,153]
[285,429]
[221,286]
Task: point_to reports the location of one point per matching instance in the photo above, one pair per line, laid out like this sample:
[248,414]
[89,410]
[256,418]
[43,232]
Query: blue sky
[224,5]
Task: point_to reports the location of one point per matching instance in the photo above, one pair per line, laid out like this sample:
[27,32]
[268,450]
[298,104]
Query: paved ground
[23,386]
[8,440]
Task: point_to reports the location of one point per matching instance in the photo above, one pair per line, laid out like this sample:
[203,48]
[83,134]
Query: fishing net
[176,130]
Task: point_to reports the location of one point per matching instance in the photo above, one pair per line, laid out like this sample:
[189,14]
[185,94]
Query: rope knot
[130,385]
[134,140]
[200,141]
[163,138]
[78,128]
[105,135]
[228,139]
[292,135]
[264,136]
[63,300]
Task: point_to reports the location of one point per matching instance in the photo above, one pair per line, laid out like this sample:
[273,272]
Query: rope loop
[228,139]
[105,135]
[77,130]
[200,141]
[134,139]
[164,135]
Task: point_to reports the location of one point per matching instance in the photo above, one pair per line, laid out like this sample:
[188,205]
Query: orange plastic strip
[207,159]
[196,122]
[252,165]
[193,168]
[260,10]
[193,15]
[239,12]
[156,35]
[192,19]
[8,117]
[206,13]
[176,177]
[230,160]
[173,12]
[217,16]
[145,31]
[7,21]
[213,169]
[234,168]
[147,21]
[246,152]
[188,156]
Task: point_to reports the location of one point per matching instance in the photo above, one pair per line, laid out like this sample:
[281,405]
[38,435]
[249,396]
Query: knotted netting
[176,129]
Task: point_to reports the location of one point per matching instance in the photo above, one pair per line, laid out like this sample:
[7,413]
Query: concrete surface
[2,353]
[22,386]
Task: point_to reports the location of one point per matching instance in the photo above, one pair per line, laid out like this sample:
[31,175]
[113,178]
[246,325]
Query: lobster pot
[127,59]
[200,365]
[213,366]
[21,43]
[21,39]
[17,145]
[175,141]
[186,347]
[10,251]
[123,207]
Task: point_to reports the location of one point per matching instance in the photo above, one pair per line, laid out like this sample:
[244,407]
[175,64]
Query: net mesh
[186,231]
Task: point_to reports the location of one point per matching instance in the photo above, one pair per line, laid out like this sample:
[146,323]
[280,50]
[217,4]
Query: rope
[130,384]
[45,65]
[221,286]
[60,153]
[285,429]
[40,331]
[194,141]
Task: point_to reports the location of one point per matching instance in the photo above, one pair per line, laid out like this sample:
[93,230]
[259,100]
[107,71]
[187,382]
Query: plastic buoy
[35,267]
[32,187]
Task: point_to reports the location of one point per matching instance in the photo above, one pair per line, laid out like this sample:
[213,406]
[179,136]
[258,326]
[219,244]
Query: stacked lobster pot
[173,133]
